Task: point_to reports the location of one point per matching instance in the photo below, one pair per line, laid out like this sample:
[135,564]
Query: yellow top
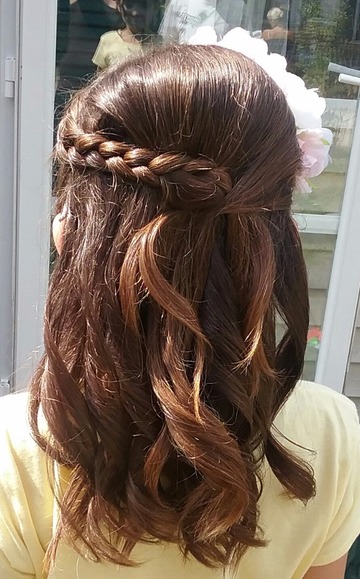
[299,537]
[112,48]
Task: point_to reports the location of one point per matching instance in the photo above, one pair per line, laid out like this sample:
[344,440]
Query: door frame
[9,41]
[343,293]
[37,32]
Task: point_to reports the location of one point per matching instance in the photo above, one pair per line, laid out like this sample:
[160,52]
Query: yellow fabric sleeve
[99,55]
[25,505]
[345,520]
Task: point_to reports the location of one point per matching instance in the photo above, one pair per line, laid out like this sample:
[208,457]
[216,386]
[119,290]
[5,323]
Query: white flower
[306,105]
[240,40]
[204,35]
[275,66]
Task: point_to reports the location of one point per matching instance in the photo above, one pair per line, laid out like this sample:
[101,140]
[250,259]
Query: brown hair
[161,375]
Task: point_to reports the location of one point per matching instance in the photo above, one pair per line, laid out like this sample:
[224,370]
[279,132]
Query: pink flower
[302,185]
[315,145]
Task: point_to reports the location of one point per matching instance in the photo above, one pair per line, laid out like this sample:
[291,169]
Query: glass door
[35,80]
[343,293]
[81,37]
[32,36]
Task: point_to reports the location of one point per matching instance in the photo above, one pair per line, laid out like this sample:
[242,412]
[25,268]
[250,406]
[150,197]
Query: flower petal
[204,35]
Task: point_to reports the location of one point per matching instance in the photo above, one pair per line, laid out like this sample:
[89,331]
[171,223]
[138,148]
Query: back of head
[276,15]
[142,17]
[162,375]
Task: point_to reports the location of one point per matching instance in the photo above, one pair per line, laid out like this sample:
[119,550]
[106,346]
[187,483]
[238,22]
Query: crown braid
[185,181]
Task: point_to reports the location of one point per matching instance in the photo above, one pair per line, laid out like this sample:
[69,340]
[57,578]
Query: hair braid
[187,183]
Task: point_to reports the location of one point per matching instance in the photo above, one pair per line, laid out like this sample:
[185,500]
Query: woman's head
[140,16]
[276,16]
[162,373]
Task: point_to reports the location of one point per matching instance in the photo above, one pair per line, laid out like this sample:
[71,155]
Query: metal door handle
[10,77]
[346,75]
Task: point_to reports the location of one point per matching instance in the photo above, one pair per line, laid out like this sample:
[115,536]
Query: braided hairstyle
[162,374]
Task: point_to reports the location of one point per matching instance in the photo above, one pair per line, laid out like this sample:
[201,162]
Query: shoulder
[313,405]
[110,36]
[25,493]
[13,401]
[320,420]
[13,415]
[109,40]
[321,426]
[18,450]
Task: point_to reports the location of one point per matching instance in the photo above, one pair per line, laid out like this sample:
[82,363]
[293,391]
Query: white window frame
[8,128]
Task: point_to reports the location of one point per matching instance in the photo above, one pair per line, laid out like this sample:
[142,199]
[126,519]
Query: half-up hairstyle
[161,375]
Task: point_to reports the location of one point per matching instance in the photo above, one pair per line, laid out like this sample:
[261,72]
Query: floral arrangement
[307,106]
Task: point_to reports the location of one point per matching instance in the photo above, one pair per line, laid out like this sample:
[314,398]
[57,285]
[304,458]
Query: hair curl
[161,375]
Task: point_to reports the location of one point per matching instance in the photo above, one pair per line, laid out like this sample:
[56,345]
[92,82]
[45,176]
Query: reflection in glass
[95,34]
[183,17]
[139,30]
[310,33]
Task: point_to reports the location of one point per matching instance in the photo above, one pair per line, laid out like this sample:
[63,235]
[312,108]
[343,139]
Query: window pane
[318,251]
[352,382]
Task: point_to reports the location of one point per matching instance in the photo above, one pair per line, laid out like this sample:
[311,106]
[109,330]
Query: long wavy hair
[162,374]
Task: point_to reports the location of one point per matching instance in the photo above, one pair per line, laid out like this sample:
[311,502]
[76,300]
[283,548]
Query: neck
[127,35]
